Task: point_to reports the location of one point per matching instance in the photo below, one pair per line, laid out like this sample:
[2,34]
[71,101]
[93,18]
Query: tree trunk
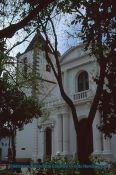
[13,146]
[9,150]
[83,129]
[84,147]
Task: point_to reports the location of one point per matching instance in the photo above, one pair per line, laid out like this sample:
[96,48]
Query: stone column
[65,134]
[60,132]
[97,136]
[66,81]
[53,141]
[35,155]
[43,142]
[106,145]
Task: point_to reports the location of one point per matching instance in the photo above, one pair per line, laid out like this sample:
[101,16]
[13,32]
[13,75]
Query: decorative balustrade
[79,96]
[82,95]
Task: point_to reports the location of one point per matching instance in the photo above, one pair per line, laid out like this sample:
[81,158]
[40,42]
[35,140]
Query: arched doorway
[83,81]
[85,138]
[48,139]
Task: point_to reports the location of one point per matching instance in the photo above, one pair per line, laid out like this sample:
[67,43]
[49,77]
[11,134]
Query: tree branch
[20,42]
[59,76]
[9,31]
[97,96]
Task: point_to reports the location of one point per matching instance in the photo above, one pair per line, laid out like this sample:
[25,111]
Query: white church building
[54,133]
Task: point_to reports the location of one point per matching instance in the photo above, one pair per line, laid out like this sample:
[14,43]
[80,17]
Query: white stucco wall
[72,63]
[113,146]
[25,139]
[4,145]
[29,136]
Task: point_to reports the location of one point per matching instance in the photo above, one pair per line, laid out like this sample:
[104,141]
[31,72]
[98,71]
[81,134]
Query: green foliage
[16,108]
[61,160]
[24,79]
[3,55]
[98,24]
[99,160]
[97,21]
[113,167]
[107,104]
[4,132]
[107,168]
[67,6]
[12,11]
[2,46]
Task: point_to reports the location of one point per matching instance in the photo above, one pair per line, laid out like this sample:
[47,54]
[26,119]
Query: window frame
[83,85]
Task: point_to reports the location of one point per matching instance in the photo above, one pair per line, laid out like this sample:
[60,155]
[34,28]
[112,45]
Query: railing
[82,95]
[79,96]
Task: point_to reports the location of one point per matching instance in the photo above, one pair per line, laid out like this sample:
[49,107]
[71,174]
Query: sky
[64,40]
[61,25]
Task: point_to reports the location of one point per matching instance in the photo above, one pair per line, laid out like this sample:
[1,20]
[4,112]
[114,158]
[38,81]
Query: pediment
[46,124]
[73,54]
[54,93]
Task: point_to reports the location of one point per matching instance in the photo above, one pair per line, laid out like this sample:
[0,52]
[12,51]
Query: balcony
[82,95]
[76,97]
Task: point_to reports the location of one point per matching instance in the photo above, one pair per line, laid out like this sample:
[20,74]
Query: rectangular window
[48,68]
[25,66]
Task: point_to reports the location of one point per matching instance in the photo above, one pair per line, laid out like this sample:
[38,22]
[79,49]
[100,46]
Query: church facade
[54,133]
[33,60]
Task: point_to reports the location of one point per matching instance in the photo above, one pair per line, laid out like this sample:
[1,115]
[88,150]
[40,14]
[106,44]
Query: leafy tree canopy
[97,19]
[107,104]
[15,15]
[16,109]
[97,22]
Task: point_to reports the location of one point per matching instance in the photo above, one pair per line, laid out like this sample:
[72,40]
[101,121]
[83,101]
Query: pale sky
[64,41]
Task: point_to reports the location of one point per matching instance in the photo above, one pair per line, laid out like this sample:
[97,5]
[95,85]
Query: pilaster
[66,81]
[97,136]
[106,145]
[65,134]
[60,132]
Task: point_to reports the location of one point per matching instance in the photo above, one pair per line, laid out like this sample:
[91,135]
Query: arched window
[83,81]
[48,145]
[25,66]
